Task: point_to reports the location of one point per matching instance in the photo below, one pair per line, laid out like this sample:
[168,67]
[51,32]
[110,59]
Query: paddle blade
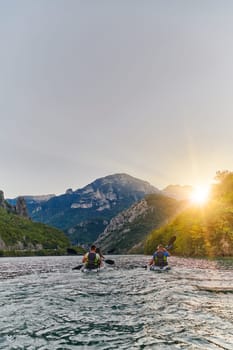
[110,262]
[77,267]
[170,243]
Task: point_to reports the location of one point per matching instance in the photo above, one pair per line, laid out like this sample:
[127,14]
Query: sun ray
[200,195]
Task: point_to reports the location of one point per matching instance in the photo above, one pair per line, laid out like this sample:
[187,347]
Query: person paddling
[98,251]
[159,257]
[102,258]
[92,259]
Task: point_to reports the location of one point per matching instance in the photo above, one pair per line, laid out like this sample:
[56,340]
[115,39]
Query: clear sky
[93,88]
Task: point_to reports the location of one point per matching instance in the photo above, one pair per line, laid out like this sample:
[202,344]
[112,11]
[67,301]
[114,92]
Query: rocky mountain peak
[2,200]
[21,207]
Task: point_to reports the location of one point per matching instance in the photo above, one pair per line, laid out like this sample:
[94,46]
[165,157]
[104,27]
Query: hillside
[127,231]
[20,236]
[202,230]
[83,214]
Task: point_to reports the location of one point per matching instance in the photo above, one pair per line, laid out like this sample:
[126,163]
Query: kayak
[82,268]
[160,268]
[97,270]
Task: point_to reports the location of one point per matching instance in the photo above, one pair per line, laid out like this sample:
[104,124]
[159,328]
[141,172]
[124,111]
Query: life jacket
[92,261]
[160,259]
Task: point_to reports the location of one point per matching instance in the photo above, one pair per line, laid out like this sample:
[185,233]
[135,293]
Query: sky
[93,88]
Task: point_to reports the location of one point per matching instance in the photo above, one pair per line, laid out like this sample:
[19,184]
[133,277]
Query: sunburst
[200,195]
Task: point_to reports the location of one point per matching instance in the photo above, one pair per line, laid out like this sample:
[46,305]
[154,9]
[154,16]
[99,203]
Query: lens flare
[200,195]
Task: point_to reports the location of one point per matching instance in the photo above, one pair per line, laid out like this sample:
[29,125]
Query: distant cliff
[19,235]
[84,213]
[20,207]
[127,231]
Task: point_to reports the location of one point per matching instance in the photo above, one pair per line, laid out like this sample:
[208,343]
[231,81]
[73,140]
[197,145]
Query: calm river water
[44,304]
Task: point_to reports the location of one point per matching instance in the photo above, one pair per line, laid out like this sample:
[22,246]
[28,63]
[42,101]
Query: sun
[200,195]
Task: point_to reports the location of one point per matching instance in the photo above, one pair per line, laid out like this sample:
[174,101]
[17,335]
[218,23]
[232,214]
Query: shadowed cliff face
[5,205]
[2,200]
[20,208]
[84,213]
[127,231]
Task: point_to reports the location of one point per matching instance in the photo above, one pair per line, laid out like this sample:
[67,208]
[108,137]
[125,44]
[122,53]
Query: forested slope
[205,230]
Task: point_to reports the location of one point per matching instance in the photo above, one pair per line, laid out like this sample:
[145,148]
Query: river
[44,304]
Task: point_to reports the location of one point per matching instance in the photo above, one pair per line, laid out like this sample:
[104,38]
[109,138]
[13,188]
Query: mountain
[20,236]
[127,231]
[178,192]
[83,214]
[32,202]
[202,230]
[19,207]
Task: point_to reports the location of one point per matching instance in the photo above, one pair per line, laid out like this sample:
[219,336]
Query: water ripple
[47,305]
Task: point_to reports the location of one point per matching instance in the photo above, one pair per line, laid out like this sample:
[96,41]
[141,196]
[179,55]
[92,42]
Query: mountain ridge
[19,235]
[84,213]
[127,231]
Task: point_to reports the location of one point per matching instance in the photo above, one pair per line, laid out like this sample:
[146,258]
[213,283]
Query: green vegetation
[21,236]
[81,213]
[129,236]
[202,231]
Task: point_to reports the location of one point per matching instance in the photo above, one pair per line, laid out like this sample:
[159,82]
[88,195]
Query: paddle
[170,243]
[107,261]
[77,267]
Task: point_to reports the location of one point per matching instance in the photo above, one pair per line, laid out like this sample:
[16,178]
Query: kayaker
[159,257]
[92,259]
[98,251]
